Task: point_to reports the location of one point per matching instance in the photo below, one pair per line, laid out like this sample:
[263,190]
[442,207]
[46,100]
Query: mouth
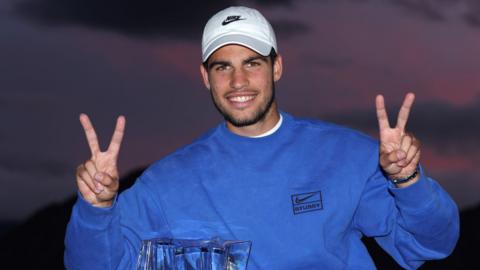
[241,100]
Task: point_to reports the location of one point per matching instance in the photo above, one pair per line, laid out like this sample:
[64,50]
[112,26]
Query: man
[303,191]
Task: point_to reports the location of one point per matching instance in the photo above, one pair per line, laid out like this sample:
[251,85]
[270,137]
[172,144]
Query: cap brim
[259,46]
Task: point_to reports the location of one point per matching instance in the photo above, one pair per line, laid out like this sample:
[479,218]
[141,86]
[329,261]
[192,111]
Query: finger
[406,143]
[109,187]
[416,158]
[381,113]
[117,137]
[84,176]
[413,151]
[91,168]
[405,111]
[392,158]
[107,180]
[100,180]
[91,182]
[90,134]
[87,193]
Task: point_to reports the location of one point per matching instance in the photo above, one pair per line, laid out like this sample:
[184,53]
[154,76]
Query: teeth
[241,98]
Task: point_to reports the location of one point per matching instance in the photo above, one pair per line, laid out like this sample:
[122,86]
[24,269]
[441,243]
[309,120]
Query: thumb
[105,179]
[389,160]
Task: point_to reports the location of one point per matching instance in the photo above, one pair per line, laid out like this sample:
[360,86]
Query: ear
[277,68]
[204,73]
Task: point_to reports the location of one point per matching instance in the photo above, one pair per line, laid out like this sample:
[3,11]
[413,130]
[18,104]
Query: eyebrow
[248,60]
[256,57]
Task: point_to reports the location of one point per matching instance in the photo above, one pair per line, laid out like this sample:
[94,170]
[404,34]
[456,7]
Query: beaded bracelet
[404,180]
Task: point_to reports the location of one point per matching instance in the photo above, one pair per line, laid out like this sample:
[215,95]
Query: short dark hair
[273,55]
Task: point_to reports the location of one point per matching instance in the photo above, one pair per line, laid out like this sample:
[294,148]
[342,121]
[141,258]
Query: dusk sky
[141,58]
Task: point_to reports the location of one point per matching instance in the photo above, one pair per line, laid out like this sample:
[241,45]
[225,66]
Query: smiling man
[241,83]
[304,192]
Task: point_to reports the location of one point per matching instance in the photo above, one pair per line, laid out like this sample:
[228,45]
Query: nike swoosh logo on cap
[231,19]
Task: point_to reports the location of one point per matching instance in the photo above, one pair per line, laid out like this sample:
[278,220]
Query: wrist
[405,181]
[103,204]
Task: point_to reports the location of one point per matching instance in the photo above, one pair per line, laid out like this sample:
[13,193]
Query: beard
[258,115]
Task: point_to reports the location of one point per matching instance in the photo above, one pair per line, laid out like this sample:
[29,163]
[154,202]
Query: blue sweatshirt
[304,195]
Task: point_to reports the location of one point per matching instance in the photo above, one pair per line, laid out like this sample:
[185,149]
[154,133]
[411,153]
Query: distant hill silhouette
[37,243]
[464,257]
[5,226]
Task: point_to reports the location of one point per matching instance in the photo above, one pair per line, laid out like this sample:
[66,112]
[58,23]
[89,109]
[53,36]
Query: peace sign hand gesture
[97,178]
[399,150]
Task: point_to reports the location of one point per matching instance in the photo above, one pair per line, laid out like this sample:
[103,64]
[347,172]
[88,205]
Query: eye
[253,64]
[222,67]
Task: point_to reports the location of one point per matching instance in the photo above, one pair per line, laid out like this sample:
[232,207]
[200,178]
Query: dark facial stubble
[259,114]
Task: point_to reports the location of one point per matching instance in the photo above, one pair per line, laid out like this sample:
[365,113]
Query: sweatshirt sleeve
[110,238]
[413,224]
[91,234]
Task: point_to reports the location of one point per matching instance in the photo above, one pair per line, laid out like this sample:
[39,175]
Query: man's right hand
[97,178]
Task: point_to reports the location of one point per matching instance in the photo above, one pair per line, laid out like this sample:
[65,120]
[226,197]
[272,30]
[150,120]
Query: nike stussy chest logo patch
[231,19]
[307,202]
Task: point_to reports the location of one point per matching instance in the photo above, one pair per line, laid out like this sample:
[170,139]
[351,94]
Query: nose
[239,79]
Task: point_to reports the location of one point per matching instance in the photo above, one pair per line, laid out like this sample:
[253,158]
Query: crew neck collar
[272,130]
[272,134]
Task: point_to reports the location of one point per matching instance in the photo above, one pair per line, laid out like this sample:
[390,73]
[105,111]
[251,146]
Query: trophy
[188,254]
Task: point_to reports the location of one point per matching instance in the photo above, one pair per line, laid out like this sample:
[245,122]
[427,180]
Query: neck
[268,122]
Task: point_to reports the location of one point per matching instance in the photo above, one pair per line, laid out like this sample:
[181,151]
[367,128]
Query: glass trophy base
[193,254]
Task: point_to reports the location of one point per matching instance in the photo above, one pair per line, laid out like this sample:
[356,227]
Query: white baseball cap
[238,25]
